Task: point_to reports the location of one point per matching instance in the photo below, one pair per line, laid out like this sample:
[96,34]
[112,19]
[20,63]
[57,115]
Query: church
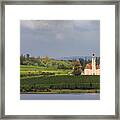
[92,68]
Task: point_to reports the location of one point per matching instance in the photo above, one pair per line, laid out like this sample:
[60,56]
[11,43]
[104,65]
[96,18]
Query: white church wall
[87,72]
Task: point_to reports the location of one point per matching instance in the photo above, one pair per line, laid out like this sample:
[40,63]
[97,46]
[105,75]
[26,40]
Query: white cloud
[34,24]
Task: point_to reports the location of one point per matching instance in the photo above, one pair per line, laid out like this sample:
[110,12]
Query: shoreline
[64,92]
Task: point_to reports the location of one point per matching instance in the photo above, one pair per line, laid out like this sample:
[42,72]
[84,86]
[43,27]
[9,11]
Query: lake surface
[81,96]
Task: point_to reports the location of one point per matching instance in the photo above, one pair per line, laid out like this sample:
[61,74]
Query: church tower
[93,65]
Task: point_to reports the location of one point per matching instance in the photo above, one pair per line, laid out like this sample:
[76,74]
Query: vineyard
[47,84]
[26,71]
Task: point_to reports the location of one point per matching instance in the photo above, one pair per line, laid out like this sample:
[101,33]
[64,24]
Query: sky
[60,38]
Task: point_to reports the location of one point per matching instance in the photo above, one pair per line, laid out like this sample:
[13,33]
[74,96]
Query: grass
[37,70]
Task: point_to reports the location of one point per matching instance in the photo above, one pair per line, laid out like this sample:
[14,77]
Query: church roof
[89,66]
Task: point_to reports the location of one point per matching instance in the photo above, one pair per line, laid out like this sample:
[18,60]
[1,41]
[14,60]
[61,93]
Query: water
[81,96]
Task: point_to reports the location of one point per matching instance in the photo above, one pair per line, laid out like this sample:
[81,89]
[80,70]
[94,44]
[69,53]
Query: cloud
[58,24]
[60,37]
[34,24]
[87,25]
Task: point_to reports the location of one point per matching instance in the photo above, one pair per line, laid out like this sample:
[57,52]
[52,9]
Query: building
[92,68]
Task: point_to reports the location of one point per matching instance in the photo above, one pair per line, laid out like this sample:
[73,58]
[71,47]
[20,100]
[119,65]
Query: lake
[81,96]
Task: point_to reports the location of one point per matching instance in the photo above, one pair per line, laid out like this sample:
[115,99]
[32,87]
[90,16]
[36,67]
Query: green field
[48,84]
[45,80]
[26,71]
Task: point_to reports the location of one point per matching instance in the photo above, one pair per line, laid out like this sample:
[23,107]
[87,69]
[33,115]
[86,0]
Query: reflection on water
[81,96]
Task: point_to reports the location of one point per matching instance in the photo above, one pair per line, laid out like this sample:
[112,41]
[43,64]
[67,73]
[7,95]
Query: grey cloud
[60,37]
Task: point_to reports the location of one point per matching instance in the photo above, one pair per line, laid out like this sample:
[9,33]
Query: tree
[77,68]
[27,55]
[82,61]
[45,59]
[97,60]
[22,59]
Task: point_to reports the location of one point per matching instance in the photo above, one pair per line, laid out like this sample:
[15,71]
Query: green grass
[31,67]
[26,70]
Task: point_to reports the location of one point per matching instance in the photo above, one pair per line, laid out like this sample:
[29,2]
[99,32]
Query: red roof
[89,66]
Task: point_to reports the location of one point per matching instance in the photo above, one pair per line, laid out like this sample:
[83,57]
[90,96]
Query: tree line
[77,66]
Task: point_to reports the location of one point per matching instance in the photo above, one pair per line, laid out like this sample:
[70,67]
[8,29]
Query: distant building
[92,68]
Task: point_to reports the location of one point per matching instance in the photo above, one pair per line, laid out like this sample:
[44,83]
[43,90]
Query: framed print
[60,59]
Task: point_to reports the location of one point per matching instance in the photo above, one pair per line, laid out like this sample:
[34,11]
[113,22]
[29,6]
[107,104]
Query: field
[43,80]
[37,71]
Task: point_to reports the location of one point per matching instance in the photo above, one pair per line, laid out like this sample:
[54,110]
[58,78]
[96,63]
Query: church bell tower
[93,64]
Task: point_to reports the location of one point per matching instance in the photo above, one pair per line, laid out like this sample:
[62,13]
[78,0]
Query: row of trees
[45,62]
[77,66]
